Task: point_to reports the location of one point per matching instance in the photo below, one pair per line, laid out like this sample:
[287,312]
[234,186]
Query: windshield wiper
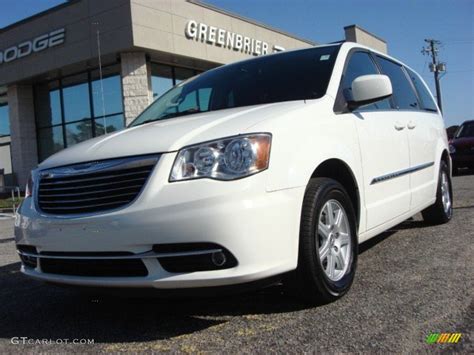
[172,115]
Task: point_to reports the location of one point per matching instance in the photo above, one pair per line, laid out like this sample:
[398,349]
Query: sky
[404,24]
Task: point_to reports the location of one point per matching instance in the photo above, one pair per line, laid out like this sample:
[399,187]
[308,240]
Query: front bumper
[260,229]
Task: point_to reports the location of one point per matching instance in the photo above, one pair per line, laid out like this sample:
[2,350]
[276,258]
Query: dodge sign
[37,44]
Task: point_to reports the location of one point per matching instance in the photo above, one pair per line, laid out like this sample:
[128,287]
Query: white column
[23,132]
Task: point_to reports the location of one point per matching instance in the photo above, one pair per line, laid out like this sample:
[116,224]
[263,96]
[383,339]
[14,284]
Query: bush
[8,202]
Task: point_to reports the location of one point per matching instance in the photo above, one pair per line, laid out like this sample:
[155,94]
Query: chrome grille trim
[145,255]
[85,199]
[62,182]
[88,193]
[93,187]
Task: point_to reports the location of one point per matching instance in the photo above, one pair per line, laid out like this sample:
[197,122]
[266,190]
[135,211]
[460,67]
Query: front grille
[94,268]
[93,187]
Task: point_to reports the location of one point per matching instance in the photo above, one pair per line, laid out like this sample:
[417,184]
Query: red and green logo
[443,338]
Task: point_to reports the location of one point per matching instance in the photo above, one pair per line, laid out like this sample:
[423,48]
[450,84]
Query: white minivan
[273,167]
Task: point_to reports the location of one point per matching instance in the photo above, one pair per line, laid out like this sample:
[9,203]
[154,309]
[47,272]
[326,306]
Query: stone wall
[135,84]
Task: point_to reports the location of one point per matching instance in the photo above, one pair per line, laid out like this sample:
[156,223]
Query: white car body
[394,158]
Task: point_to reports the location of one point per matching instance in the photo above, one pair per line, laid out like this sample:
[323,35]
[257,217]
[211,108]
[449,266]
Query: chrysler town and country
[277,166]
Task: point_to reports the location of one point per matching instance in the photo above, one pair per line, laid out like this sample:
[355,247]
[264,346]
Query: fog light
[218,258]
[29,261]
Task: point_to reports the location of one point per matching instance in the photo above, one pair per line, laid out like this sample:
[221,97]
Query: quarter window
[403,93]
[360,64]
[425,96]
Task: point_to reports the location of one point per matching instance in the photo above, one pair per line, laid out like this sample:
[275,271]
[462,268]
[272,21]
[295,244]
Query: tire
[442,210]
[312,280]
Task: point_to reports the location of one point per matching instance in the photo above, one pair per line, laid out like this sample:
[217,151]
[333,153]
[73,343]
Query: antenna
[100,77]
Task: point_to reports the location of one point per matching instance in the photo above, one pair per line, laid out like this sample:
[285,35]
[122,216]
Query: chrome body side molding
[400,173]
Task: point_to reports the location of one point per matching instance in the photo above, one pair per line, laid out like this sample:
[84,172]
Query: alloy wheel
[334,240]
[445,193]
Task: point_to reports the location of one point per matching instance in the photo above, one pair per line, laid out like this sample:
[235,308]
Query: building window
[6,176]
[75,108]
[164,77]
[4,120]
[50,141]
[107,103]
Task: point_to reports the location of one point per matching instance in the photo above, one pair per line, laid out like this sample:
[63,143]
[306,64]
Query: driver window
[360,64]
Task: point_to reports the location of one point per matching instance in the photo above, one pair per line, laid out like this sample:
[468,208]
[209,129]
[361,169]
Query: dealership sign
[35,45]
[227,39]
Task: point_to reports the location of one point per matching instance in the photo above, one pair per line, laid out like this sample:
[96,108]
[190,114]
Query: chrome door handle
[399,126]
[411,125]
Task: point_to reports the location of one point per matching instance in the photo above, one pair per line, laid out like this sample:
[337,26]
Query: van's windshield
[287,76]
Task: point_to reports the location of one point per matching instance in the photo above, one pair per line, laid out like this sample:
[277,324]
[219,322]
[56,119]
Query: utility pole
[435,66]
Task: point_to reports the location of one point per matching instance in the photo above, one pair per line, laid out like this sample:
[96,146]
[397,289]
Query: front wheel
[328,243]
[442,210]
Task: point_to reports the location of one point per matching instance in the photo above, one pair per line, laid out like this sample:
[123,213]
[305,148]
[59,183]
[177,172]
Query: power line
[458,42]
[460,71]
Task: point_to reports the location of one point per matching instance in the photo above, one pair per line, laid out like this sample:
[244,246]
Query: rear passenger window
[360,64]
[423,93]
[403,93]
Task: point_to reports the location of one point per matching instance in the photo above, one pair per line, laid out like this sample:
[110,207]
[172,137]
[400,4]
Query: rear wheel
[442,210]
[328,243]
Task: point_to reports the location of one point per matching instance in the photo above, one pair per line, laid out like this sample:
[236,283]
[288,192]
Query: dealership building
[89,67]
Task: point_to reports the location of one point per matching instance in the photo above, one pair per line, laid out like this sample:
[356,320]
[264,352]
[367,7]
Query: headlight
[452,149]
[225,159]
[29,187]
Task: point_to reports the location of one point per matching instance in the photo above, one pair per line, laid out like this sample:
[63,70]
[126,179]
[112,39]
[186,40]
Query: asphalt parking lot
[411,281]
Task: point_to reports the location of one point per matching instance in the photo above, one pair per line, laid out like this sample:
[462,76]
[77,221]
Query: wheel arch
[446,158]
[341,172]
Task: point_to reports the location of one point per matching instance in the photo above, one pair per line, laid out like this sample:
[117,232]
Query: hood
[169,135]
[464,142]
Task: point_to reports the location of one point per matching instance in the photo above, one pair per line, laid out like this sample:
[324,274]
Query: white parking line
[6,216]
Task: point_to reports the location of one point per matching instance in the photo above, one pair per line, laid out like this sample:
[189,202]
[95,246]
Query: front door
[384,147]
[383,141]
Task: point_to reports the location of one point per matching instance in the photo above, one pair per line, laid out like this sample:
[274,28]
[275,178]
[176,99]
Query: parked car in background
[273,167]
[461,147]
[451,131]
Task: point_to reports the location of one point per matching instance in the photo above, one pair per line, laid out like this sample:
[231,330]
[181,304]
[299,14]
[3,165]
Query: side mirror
[367,89]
